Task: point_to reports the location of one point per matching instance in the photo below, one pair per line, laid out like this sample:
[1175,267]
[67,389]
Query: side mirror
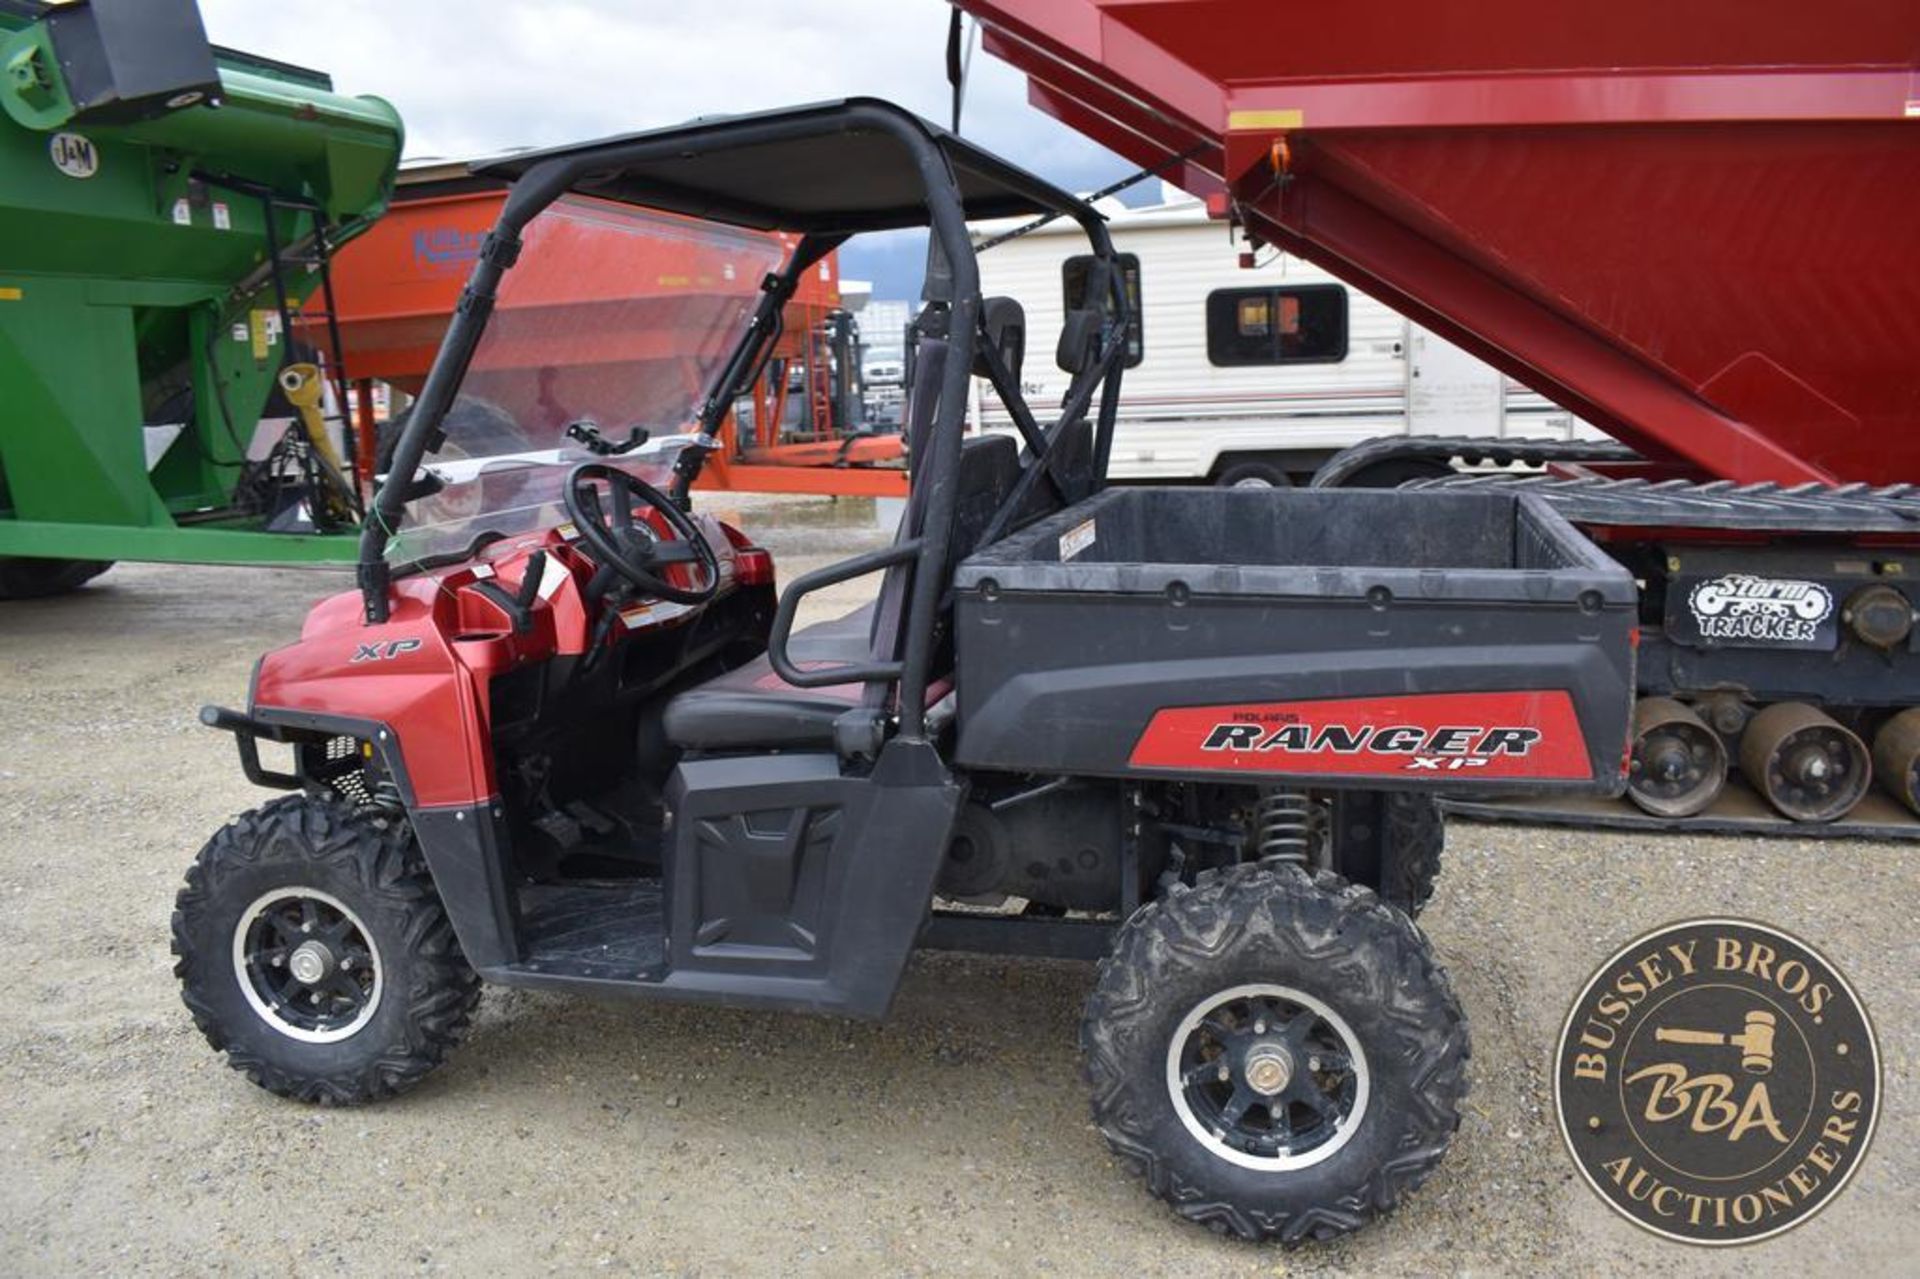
[1003,326]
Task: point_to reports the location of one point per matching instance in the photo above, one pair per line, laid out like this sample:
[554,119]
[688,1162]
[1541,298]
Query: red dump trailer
[1697,226]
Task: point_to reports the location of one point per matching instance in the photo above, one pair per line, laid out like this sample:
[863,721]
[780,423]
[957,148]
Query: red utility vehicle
[565,735]
[1693,225]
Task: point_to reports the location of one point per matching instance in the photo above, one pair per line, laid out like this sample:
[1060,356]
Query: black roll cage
[540,179]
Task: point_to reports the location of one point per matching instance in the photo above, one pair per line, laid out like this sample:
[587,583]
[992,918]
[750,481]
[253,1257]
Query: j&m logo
[1717,1081]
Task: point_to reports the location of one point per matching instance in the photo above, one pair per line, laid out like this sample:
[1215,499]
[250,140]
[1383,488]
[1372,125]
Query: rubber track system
[1473,450]
[1628,503]
[1721,504]
[1399,1000]
[1832,509]
[383,859]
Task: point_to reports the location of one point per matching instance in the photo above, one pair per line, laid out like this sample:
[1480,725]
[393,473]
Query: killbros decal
[1532,733]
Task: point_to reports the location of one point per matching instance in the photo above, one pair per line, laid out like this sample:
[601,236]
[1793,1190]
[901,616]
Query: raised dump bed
[1691,224]
[1468,640]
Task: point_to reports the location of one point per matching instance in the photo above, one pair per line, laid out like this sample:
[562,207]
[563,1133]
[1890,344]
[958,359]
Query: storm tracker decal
[1530,733]
[1744,610]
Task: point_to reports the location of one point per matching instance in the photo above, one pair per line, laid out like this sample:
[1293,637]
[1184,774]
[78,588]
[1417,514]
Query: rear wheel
[1280,1057]
[313,950]
[1412,836]
[24,579]
[1391,841]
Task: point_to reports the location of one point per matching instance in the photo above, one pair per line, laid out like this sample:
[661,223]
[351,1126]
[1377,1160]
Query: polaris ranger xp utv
[566,735]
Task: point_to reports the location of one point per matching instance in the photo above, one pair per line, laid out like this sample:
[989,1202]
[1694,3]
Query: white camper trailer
[1247,375]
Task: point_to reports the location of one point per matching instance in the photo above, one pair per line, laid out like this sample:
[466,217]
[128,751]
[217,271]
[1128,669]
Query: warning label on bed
[1077,539]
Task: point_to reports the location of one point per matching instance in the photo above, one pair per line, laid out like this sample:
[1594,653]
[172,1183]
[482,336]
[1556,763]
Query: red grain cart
[1692,225]
[607,315]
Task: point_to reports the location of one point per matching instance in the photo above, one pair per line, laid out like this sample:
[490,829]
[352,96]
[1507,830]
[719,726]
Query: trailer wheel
[1279,1057]
[313,950]
[1252,474]
[25,579]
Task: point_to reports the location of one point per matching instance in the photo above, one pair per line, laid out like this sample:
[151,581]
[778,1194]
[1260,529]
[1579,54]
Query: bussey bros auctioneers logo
[1717,1081]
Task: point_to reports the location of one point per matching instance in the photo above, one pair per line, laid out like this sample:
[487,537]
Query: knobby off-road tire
[1330,944]
[27,579]
[371,890]
[1413,835]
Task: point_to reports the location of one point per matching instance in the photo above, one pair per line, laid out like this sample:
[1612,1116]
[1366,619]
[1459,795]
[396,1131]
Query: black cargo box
[1455,640]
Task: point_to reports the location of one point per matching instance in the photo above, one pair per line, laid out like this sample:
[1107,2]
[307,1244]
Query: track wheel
[1679,765]
[314,951]
[1896,757]
[1280,1057]
[1808,766]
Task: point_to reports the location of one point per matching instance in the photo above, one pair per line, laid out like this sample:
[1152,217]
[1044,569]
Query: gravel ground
[572,1135]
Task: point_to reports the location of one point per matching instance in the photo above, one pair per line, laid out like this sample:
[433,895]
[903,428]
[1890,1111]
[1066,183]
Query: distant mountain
[893,260]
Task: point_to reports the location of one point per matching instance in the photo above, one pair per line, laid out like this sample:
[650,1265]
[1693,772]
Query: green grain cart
[165,207]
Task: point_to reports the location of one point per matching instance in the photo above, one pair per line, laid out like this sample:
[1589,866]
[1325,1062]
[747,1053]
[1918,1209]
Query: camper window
[1073,284]
[1303,324]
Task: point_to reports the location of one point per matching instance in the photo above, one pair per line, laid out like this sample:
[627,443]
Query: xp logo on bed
[1717,1081]
[1532,734]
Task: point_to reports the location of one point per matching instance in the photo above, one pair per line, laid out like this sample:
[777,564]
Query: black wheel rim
[307,965]
[1267,1077]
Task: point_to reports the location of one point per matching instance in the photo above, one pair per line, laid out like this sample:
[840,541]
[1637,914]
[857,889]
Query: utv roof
[824,168]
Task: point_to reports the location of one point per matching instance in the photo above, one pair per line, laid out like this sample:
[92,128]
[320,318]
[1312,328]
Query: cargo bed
[1469,641]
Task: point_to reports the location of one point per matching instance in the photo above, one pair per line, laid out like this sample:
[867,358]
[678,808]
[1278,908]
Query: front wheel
[313,950]
[1280,1057]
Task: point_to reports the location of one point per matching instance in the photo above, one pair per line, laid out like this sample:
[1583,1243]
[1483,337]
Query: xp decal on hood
[1744,611]
[1532,733]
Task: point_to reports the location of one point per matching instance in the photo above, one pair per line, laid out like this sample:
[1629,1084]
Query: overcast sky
[473,78]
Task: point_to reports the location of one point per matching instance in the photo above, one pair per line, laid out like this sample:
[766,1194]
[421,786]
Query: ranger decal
[1532,733]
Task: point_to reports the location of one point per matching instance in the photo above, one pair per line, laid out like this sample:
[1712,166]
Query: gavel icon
[1755,1042]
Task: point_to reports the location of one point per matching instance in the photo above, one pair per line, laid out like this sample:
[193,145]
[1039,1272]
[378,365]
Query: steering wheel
[629,548]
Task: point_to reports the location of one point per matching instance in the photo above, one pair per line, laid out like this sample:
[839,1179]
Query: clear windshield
[613,315]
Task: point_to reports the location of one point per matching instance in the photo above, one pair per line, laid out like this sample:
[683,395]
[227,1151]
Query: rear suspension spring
[1282,830]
